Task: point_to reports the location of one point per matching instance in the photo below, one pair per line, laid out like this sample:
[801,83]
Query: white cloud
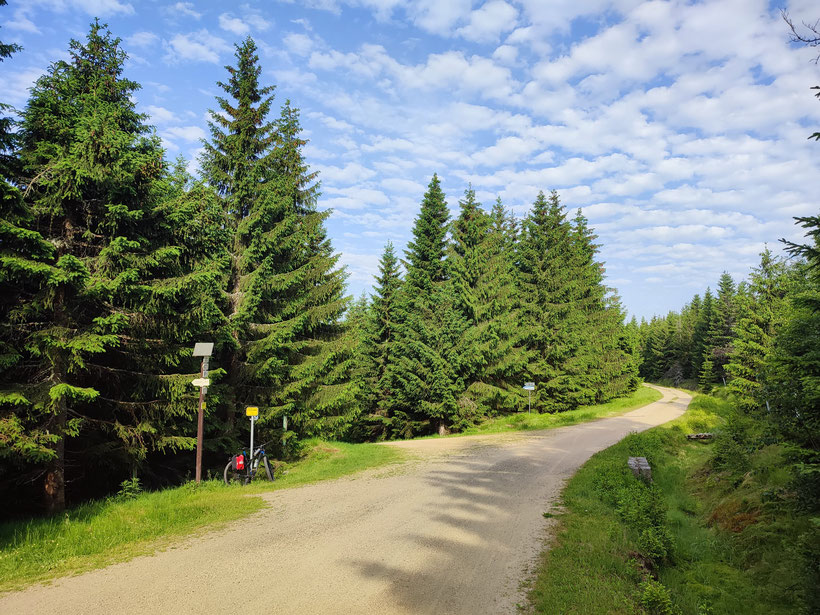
[406,186]
[21,22]
[199,46]
[142,39]
[362,267]
[160,115]
[506,54]
[254,18]
[233,24]
[15,85]
[487,23]
[359,194]
[331,122]
[186,133]
[437,16]
[184,9]
[102,8]
[351,173]
[506,151]
[300,44]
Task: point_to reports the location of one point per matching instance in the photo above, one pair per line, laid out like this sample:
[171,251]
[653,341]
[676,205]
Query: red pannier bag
[239,462]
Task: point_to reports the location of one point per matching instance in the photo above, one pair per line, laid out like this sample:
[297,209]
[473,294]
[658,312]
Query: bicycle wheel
[268,468]
[233,476]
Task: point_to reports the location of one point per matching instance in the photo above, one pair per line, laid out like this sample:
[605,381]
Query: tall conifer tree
[288,354]
[25,265]
[380,341]
[545,283]
[424,375]
[760,312]
[718,344]
[599,363]
[703,324]
[92,179]
[482,278]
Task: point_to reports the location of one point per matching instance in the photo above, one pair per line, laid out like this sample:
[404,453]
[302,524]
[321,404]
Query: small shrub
[655,598]
[129,489]
[655,543]
[732,446]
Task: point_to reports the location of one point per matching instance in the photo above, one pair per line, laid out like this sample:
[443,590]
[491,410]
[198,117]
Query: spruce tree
[719,338]
[760,312]
[545,289]
[603,364]
[481,274]
[91,176]
[380,342]
[424,374]
[690,316]
[25,266]
[288,353]
[703,324]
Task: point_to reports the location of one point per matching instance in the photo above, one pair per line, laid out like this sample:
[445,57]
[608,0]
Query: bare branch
[809,35]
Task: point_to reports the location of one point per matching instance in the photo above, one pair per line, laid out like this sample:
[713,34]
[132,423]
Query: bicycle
[241,470]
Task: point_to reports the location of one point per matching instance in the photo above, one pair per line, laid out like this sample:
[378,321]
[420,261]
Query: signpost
[204,350]
[529,387]
[252,412]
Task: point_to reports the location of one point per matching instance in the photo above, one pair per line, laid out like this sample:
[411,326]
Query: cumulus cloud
[201,46]
[250,19]
[350,173]
[297,43]
[487,23]
[142,39]
[160,115]
[183,9]
[186,133]
[102,8]
[20,21]
[233,24]
[685,141]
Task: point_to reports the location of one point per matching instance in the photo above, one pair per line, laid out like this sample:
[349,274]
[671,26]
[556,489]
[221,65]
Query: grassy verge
[101,533]
[702,539]
[528,421]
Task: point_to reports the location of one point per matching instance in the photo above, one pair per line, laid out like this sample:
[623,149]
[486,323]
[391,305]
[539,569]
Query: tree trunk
[54,484]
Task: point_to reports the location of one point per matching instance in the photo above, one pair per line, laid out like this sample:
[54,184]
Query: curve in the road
[453,532]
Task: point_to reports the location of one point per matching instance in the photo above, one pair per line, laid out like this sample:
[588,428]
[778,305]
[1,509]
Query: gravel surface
[456,530]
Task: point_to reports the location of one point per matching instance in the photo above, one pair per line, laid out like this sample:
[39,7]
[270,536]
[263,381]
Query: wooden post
[200,425]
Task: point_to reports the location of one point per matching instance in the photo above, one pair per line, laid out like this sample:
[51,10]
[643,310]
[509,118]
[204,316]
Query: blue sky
[680,128]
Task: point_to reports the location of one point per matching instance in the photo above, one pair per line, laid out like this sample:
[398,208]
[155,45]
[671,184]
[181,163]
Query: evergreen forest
[115,261]
[757,343]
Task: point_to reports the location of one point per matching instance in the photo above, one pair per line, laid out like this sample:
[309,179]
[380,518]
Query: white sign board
[203,349]
[201,382]
[529,386]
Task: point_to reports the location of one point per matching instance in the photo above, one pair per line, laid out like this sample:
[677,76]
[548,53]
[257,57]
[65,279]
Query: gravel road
[453,532]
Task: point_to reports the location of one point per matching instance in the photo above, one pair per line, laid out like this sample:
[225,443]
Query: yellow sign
[252,411]
[203,405]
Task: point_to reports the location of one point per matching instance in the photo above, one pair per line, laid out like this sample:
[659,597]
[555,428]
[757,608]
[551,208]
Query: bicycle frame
[252,467]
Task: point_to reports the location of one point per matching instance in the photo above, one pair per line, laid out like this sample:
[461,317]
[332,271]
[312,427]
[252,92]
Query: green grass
[104,532]
[732,542]
[530,421]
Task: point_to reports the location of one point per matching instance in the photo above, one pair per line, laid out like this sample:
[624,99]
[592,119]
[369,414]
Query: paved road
[453,532]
